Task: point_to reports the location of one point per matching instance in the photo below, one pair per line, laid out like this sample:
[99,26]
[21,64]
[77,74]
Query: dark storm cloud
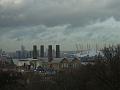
[56,12]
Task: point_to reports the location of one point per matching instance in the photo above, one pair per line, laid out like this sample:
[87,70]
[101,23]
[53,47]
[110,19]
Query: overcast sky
[64,22]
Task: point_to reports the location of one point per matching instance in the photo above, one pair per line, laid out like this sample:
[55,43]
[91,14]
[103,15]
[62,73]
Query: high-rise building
[0,51]
[53,53]
[30,54]
[42,51]
[23,56]
[57,51]
[18,54]
[35,54]
[50,56]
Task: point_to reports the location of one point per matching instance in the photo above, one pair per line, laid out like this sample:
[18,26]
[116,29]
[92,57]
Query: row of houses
[56,64]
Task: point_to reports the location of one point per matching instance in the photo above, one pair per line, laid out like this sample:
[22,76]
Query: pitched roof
[75,60]
[64,60]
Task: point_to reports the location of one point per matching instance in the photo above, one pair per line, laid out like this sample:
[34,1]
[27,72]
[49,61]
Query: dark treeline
[102,75]
[11,80]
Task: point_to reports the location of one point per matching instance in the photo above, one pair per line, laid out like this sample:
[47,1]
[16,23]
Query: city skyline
[50,22]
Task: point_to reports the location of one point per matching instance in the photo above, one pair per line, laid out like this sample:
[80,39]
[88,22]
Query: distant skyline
[64,22]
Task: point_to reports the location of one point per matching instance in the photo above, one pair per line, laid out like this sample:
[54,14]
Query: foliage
[10,80]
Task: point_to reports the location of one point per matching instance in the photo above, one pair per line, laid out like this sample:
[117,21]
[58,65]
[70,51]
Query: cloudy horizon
[67,23]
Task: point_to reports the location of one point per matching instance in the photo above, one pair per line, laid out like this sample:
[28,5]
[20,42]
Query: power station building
[50,53]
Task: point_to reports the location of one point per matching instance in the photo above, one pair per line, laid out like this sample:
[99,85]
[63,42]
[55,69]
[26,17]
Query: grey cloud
[57,12]
[105,31]
[60,21]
